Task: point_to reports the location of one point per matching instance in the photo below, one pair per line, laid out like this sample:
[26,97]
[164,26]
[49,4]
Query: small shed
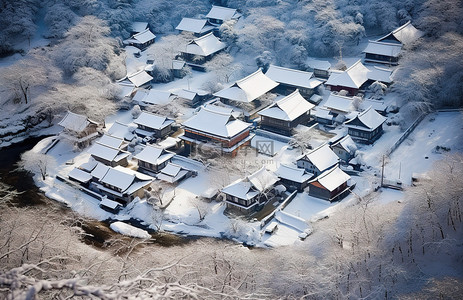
[323,116]
[339,104]
[179,68]
[405,35]
[194,97]
[293,177]
[174,173]
[152,97]
[141,40]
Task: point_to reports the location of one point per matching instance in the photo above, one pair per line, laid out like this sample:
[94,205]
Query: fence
[406,134]
[285,203]
[273,136]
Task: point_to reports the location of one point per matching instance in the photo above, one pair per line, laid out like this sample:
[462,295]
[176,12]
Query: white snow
[289,108]
[129,230]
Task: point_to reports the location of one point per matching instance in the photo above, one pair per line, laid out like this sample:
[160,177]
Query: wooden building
[382,52]
[153,159]
[289,80]
[246,194]
[331,185]
[344,148]
[151,125]
[108,155]
[202,49]
[285,114]
[198,27]
[366,127]
[219,14]
[216,128]
[320,68]
[318,160]
[352,80]
[293,178]
[141,40]
[78,129]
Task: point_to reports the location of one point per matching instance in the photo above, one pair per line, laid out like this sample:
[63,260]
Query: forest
[411,249]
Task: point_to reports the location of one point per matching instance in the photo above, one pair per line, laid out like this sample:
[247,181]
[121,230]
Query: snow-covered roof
[75,122]
[121,131]
[369,119]
[172,173]
[118,179]
[126,89]
[99,171]
[109,203]
[293,173]
[139,26]
[144,36]
[316,98]
[380,74]
[107,153]
[383,48]
[152,96]
[111,141]
[319,64]
[168,142]
[292,77]
[216,123]
[262,179]
[139,78]
[354,77]
[322,113]
[347,143]
[322,157]
[177,64]
[333,178]
[241,189]
[375,104]
[249,88]
[150,120]
[405,34]
[222,13]
[80,175]
[186,94]
[194,25]
[154,155]
[289,108]
[204,46]
[339,103]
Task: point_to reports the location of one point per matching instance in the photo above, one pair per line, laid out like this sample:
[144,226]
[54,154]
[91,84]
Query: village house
[78,129]
[331,185]
[121,131]
[323,116]
[352,80]
[380,74]
[289,80]
[141,40]
[150,97]
[315,99]
[285,114]
[339,105]
[193,97]
[197,26]
[219,14]
[320,68]
[245,195]
[122,184]
[377,105]
[382,52]
[179,68]
[405,35]
[217,128]
[366,127]
[174,173]
[247,89]
[153,159]
[318,160]
[344,148]
[140,79]
[293,178]
[109,155]
[201,50]
[151,125]
[113,141]
[138,27]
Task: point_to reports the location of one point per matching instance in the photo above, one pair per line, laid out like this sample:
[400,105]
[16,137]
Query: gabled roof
[75,122]
[107,153]
[354,77]
[380,74]
[139,26]
[332,179]
[172,173]
[118,179]
[250,186]
[152,96]
[339,103]
[289,108]
[144,36]
[152,121]
[194,25]
[322,157]
[111,141]
[292,77]
[322,113]
[154,155]
[121,131]
[319,64]
[383,48]
[293,173]
[405,34]
[367,120]
[223,13]
[178,64]
[204,46]
[139,78]
[347,143]
[99,171]
[375,104]
[221,124]
[249,88]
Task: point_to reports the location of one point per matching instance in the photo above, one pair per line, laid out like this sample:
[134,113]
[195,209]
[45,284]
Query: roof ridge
[249,76]
[401,27]
[289,69]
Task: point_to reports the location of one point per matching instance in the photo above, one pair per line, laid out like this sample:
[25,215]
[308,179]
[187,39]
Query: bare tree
[37,163]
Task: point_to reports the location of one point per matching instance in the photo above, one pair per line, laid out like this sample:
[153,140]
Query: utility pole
[382,173]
